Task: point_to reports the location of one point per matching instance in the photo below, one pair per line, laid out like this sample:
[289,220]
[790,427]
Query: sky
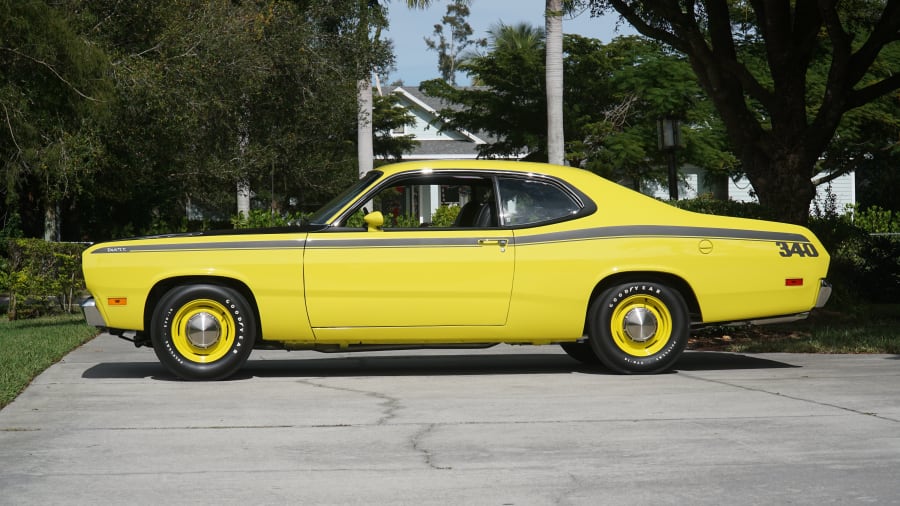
[409,27]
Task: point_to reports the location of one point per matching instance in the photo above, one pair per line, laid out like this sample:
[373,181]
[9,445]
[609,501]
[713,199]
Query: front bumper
[91,314]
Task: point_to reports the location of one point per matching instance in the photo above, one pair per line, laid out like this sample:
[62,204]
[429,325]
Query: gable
[436,139]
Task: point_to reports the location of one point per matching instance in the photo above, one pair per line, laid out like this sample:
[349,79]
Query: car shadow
[429,365]
[723,361]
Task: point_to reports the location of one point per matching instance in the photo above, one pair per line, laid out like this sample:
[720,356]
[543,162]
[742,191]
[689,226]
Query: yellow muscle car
[457,254]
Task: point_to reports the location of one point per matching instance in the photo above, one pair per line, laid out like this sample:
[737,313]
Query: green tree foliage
[623,87]
[53,92]
[758,61]
[613,95]
[388,117]
[132,116]
[867,142]
[508,100]
[451,47]
[228,91]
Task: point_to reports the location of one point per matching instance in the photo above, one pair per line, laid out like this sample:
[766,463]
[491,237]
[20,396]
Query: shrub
[865,257]
[41,277]
[444,216]
[875,220]
[263,218]
[706,204]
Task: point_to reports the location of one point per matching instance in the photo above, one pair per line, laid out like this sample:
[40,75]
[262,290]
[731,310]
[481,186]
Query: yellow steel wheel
[641,325]
[638,327]
[202,331]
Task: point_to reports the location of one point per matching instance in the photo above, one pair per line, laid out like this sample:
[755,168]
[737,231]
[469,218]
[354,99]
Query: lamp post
[669,131]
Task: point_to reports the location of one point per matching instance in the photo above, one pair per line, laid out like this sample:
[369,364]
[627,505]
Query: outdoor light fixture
[669,131]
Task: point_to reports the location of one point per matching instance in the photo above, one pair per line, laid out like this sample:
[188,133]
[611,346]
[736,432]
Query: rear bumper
[824,293]
[91,314]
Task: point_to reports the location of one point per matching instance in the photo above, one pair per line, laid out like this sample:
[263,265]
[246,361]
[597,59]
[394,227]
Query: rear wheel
[639,327]
[203,332]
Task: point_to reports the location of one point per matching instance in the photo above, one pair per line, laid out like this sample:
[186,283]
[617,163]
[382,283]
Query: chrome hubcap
[203,330]
[640,324]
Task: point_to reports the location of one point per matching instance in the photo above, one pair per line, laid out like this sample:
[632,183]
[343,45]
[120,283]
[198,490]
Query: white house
[433,143]
[842,190]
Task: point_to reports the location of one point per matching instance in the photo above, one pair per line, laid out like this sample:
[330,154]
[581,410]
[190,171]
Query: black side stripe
[450,242]
[203,246]
[617,232]
[649,231]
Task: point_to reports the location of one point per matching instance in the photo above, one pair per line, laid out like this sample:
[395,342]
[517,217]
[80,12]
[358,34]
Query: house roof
[456,143]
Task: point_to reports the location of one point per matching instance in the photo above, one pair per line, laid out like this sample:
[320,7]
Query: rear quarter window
[532,201]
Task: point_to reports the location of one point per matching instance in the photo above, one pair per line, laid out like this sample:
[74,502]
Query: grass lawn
[27,347]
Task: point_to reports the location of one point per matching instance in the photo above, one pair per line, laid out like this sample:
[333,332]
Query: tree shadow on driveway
[428,365]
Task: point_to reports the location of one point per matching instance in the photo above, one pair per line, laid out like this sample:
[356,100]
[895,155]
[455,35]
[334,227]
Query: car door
[440,259]
[553,267]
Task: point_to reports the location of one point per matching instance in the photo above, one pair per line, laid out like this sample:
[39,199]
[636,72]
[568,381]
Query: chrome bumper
[91,314]
[824,294]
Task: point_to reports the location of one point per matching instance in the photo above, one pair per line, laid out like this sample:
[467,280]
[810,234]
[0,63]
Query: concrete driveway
[503,426]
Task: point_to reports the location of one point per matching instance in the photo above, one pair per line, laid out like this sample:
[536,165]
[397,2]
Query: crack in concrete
[793,397]
[406,424]
[390,404]
[417,445]
[568,490]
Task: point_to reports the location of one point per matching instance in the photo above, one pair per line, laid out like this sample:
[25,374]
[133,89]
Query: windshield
[321,216]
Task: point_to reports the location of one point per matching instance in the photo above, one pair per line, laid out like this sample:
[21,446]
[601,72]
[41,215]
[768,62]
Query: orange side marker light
[117,301]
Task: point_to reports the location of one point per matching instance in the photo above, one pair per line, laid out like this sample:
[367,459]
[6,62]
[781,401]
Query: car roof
[492,165]
[596,188]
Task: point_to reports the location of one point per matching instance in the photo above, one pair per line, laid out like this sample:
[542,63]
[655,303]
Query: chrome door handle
[494,242]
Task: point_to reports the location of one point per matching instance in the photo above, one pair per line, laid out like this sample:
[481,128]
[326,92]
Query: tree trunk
[243,184]
[243,199]
[51,223]
[554,65]
[782,183]
[365,149]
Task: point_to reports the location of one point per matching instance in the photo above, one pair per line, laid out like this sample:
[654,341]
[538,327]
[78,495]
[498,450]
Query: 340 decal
[803,249]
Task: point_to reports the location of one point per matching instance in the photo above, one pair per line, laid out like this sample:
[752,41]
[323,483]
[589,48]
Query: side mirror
[374,221]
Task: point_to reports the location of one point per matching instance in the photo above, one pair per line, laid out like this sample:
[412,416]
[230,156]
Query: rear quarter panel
[736,268]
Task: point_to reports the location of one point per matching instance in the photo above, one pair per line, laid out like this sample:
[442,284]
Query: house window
[401,130]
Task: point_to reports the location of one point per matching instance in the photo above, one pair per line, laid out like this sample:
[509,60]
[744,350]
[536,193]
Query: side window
[530,201]
[433,201]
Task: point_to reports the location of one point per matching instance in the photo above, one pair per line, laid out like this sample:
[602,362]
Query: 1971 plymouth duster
[457,254]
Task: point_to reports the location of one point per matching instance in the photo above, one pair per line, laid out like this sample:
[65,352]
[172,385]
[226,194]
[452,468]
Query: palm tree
[521,37]
[554,80]
[365,150]
[554,76]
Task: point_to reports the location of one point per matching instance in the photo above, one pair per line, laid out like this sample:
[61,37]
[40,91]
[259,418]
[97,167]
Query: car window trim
[587,206]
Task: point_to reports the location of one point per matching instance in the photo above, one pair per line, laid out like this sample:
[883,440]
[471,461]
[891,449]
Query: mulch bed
[725,338]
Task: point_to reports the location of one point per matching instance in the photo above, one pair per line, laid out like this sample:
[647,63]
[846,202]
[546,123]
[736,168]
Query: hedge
[40,277]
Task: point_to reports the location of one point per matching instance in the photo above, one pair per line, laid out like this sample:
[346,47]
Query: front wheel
[639,327]
[203,331]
